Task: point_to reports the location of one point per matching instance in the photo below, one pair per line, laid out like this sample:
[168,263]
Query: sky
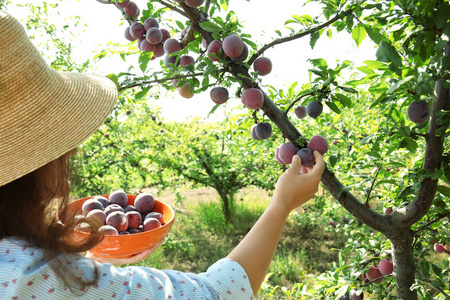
[260,18]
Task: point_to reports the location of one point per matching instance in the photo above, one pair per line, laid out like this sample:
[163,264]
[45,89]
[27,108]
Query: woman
[44,116]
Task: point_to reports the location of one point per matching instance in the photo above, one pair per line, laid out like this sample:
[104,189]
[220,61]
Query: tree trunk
[404,263]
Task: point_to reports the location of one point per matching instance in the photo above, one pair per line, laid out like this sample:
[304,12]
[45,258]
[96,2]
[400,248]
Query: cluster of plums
[286,152]
[119,218]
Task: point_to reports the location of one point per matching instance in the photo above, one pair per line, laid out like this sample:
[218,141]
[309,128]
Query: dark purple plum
[215,47]
[170,62]
[109,230]
[133,231]
[89,205]
[129,208]
[263,65]
[314,109]
[113,208]
[419,112]
[150,224]
[219,95]
[118,197]
[132,10]
[145,46]
[134,219]
[233,46]
[103,200]
[300,111]
[128,35]
[186,60]
[117,220]
[154,35]
[194,3]
[171,45]
[306,156]
[144,203]
[97,215]
[150,22]
[263,130]
[318,143]
[137,30]
[253,132]
[166,34]
[123,4]
[252,98]
[243,56]
[124,233]
[155,215]
[286,152]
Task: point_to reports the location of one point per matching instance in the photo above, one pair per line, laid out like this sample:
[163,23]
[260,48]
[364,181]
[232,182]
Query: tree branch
[174,8]
[159,80]
[372,185]
[296,100]
[439,217]
[432,161]
[296,36]
[430,282]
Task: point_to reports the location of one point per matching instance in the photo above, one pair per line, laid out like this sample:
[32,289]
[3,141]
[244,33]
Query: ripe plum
[286,152]
[318,143]
[151,223]
[219,95]
[252,98]
[314,109]
[91,204]
[300,111]
[307,157]
[134,219]
[233,46]
[109,230]
[144,203]
[118,197]
[263,130]
[118,220]
[263,65]
[419,112]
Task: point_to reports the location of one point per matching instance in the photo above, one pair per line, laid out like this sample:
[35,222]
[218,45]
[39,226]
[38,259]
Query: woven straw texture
[43,113]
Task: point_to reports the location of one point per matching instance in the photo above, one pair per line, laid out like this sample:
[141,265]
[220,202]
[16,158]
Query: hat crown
[43,113]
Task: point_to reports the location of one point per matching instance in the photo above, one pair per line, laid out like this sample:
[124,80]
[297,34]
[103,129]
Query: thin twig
[430,282]
[160,80]
[296,36]
[207,4]
[372,185]
[174,8]
[296,100]
[439,217]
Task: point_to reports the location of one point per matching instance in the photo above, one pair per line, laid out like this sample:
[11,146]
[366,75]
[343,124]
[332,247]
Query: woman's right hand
[294,189]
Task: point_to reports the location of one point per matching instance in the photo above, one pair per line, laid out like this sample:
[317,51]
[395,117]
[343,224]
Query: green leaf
[180,25]
[348,89]
[224,4]
[346,101]
[144,59]
[374,34]
[114,78]
[436,269]
[314,37]
[443,190]
[333,107]
[388,53]
[330,33]
[142,93]
[210,27]
[374,154]
[375,65]
[359,34]
[399,83]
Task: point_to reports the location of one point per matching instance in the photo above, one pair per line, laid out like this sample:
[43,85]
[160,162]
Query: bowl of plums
[130,223]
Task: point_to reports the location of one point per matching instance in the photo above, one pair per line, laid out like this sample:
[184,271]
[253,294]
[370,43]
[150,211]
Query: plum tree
[252,98]
[262,65]
[314,109]
[419,112]
[219,95]
[233,46]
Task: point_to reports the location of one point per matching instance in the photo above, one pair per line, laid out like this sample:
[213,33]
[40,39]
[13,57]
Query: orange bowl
[121,246]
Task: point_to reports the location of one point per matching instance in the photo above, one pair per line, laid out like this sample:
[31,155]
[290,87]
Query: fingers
[296,165]
[319,167]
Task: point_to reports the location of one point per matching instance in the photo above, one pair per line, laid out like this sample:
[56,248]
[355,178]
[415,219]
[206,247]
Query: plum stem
[298,99]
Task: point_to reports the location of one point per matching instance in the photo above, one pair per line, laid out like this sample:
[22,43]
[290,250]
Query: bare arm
[255,252]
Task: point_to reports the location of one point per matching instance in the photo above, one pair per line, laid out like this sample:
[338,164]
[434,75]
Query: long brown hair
[28,209]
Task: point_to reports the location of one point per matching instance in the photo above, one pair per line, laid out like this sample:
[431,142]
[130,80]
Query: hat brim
[43,113]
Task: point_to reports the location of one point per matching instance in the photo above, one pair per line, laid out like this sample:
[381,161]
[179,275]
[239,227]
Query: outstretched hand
[293,188]
[127,260]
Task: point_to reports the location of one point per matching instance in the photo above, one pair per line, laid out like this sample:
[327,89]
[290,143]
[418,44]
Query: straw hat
[43,113]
